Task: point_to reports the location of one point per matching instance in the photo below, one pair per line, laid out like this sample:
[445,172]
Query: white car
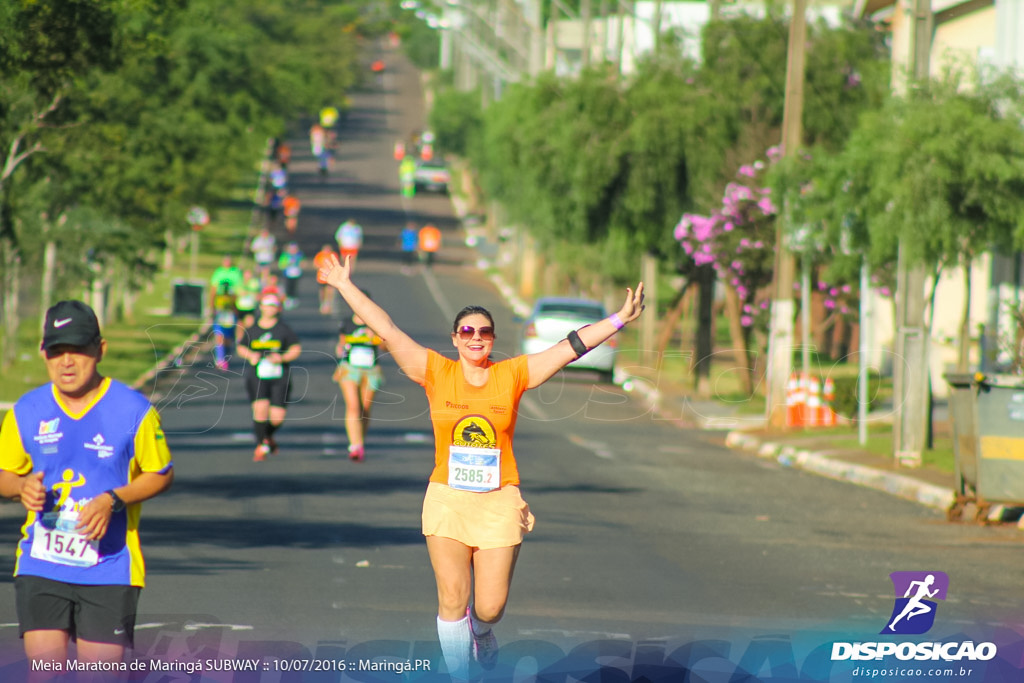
[432,176]
[553,318]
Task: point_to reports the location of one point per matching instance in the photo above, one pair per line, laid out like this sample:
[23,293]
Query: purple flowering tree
[738,241]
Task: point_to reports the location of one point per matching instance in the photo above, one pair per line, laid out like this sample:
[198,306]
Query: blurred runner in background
[359,376]
[290,265]
[326,291]
[349,237]
[429,243]
[268,347]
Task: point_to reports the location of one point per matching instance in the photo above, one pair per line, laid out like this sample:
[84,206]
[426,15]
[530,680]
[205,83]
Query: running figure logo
[914,612]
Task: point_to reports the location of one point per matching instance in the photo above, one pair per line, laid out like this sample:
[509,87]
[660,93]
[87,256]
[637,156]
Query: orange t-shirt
[291,206]
[430,238]
[321,257]
[468,416]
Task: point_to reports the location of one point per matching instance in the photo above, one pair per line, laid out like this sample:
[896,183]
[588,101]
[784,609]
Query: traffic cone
[799,401]
[813,402]
[829,415]
[792,407]
[803,396]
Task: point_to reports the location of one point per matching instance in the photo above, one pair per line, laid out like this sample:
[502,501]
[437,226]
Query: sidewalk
[817,453]
[827,455]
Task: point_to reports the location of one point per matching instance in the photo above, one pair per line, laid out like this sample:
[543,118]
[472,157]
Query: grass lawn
[940,456]
[136,344]
[674,372]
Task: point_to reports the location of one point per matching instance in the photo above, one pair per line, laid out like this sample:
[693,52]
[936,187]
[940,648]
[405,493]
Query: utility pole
[780,340]
[910,370]
[585,21]
[618,35]
[532,14]
[657,26]
[603,26]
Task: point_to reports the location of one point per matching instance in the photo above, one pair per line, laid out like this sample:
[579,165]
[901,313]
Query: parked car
[432,176]
[553,318]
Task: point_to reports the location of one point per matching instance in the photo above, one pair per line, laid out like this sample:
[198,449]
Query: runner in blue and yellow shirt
[80,453]
[359,376]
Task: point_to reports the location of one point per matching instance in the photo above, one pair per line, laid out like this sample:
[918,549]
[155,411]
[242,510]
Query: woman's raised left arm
[544,364]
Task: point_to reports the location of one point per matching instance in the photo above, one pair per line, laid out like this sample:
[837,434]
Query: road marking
[158,624]
[589,635]
[230,627]
[416,437]
[533,408]
[439,297]
[598,448]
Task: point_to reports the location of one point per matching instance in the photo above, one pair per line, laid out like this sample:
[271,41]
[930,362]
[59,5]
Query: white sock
[455,646]
[479,627]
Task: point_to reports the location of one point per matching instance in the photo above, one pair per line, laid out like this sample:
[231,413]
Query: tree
[738,241]
[940,171]
[115,117]
[48,46]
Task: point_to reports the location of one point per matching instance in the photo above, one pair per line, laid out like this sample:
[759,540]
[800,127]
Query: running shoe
[260,454]
[356,453]
[222,365]
[485,649]
[272,444]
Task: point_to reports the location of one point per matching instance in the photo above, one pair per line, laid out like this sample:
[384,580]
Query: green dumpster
[987,412]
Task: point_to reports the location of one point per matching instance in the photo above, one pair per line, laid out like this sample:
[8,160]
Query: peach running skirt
[495,519]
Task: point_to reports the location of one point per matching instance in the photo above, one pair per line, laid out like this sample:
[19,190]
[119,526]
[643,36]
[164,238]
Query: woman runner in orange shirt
[474,517]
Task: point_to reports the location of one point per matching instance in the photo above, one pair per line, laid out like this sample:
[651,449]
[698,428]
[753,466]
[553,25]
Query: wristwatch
[116,504]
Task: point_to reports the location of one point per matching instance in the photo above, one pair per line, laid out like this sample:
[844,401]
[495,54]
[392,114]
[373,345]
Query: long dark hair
[471,310]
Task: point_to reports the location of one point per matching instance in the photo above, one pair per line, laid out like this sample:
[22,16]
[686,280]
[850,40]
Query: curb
[898,485]
[169,359]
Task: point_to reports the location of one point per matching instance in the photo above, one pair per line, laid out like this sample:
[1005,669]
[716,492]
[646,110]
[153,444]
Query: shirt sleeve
[521,373]
[151,451]
[434,361]
[13,456]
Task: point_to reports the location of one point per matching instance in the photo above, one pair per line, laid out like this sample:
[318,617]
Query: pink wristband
[617,321]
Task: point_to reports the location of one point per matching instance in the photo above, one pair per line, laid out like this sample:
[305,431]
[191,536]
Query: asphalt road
[650,540]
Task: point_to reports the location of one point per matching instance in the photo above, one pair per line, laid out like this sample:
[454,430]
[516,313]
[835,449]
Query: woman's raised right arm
[410,356]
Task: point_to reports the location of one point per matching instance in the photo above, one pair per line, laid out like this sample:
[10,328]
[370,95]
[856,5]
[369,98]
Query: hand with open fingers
[633,306]
[334,272]
[33,493]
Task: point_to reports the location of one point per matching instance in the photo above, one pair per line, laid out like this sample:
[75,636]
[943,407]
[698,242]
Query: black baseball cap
[70,322]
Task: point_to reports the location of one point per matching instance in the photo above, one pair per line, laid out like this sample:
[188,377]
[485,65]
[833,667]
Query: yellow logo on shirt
[475,431]
[63,488]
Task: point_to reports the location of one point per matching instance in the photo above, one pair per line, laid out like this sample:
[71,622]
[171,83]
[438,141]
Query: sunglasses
[466,332]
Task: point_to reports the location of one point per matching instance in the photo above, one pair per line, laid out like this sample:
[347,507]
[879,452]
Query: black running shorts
[99,614]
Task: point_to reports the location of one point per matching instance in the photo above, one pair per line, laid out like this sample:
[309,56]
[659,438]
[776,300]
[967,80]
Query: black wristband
[116,504]
[578,347]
